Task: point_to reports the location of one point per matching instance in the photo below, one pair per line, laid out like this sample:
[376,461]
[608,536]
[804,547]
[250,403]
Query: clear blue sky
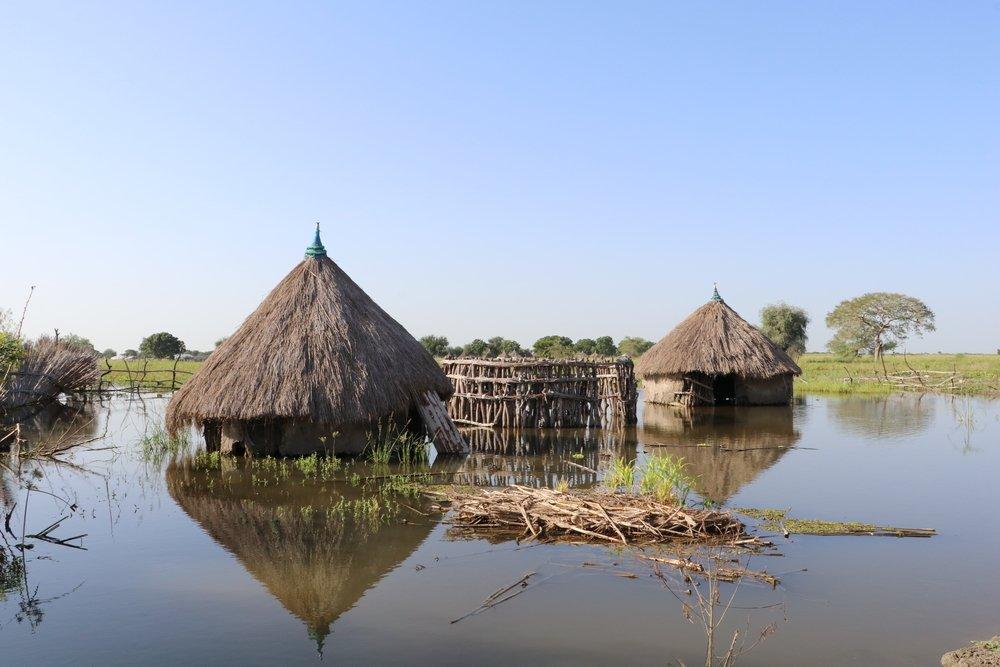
[500,168]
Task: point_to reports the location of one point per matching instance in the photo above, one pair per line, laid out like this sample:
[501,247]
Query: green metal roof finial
[316,249]
[715,292]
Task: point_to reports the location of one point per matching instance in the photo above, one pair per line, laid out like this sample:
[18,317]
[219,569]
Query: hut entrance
[724,388]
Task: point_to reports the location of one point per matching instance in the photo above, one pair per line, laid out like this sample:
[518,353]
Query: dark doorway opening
[724,388]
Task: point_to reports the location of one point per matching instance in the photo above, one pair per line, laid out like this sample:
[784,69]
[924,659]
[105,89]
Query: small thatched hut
[715,357]
[314,367]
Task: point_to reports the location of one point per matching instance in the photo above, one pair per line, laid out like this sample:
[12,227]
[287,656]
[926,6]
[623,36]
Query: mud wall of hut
[541,393]
[769,391]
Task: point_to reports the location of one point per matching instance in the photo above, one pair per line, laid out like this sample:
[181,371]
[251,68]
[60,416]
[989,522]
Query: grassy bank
[149,373]
[821,373]
[827,373]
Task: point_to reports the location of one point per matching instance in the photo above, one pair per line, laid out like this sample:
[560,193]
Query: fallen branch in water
[721,572]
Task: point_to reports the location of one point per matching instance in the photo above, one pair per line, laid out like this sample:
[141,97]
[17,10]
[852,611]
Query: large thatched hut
[715,357]
[313,368]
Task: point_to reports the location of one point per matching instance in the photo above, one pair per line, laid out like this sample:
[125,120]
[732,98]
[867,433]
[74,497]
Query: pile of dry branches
[48,369]
[518,511]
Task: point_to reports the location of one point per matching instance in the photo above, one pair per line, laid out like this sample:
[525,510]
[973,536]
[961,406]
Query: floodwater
[192,559]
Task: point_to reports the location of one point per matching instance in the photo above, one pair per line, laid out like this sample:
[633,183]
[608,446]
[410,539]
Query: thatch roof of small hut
[317,349]
[715,340]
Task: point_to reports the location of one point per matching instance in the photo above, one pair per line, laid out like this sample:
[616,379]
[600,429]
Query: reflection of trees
[724,448]
[884,416]
[316,559]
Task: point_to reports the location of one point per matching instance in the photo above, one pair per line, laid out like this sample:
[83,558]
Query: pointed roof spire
[316,249]
[715,291]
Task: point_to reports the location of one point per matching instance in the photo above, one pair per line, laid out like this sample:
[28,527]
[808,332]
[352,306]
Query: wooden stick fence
[142,378]
[541,393]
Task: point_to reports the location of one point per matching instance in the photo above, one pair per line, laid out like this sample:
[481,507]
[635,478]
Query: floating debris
[516,512]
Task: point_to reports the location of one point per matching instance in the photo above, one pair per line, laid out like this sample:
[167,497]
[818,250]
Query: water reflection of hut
[724,448]
[317,357]
[715,357]
[316,561]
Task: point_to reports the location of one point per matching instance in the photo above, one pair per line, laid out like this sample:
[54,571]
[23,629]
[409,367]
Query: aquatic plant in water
[391,442]
[664,478]
[621,474]
[159,445]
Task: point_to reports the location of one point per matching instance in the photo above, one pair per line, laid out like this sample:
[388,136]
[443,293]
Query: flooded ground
[190,558]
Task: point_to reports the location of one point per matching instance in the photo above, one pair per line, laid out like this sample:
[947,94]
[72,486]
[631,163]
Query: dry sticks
[545,514]
[539,393]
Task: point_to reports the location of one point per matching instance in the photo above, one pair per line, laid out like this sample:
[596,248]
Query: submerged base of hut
[693,389]
[278,437]
[540,393]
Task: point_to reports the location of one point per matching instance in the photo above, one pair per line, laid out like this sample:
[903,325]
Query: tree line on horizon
[871,324]
[549,347]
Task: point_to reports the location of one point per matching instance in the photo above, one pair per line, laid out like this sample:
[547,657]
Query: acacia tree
[876,322]
[436,345]
[605,346]
[633,346]
[553,347]
[786,326]
[161,345]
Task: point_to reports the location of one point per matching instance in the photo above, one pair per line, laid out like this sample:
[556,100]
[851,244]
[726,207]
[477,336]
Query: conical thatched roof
[715,340]
[317,349]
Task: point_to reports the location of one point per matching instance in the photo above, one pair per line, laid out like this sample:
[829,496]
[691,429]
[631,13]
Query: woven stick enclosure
[542,393]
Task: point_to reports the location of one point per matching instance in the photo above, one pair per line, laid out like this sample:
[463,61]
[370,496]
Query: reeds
[49,368]
[392,442]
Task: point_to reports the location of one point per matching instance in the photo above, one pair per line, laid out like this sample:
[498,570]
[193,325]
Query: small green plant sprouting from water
[665,479]
[319,467]
[621,474]
[392,442]
[208,460]
[158,445]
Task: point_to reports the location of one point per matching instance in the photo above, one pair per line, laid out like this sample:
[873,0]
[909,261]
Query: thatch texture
[49,368]
[715,340]
[318,349]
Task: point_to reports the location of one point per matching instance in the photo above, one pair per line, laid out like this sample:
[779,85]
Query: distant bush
[78,342]
[554,347]
[633,346]
[161,345]
[437,346]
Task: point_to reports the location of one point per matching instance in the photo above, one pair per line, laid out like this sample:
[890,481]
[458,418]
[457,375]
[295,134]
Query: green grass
[147,373]
[821,372]
[390,442]
[620,474]
[158,445]
[665,478]
[828,373]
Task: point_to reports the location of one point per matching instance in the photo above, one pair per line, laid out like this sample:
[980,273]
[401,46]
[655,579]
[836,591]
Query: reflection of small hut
[316,561]
[317,357]
[715,357]
[723,449]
